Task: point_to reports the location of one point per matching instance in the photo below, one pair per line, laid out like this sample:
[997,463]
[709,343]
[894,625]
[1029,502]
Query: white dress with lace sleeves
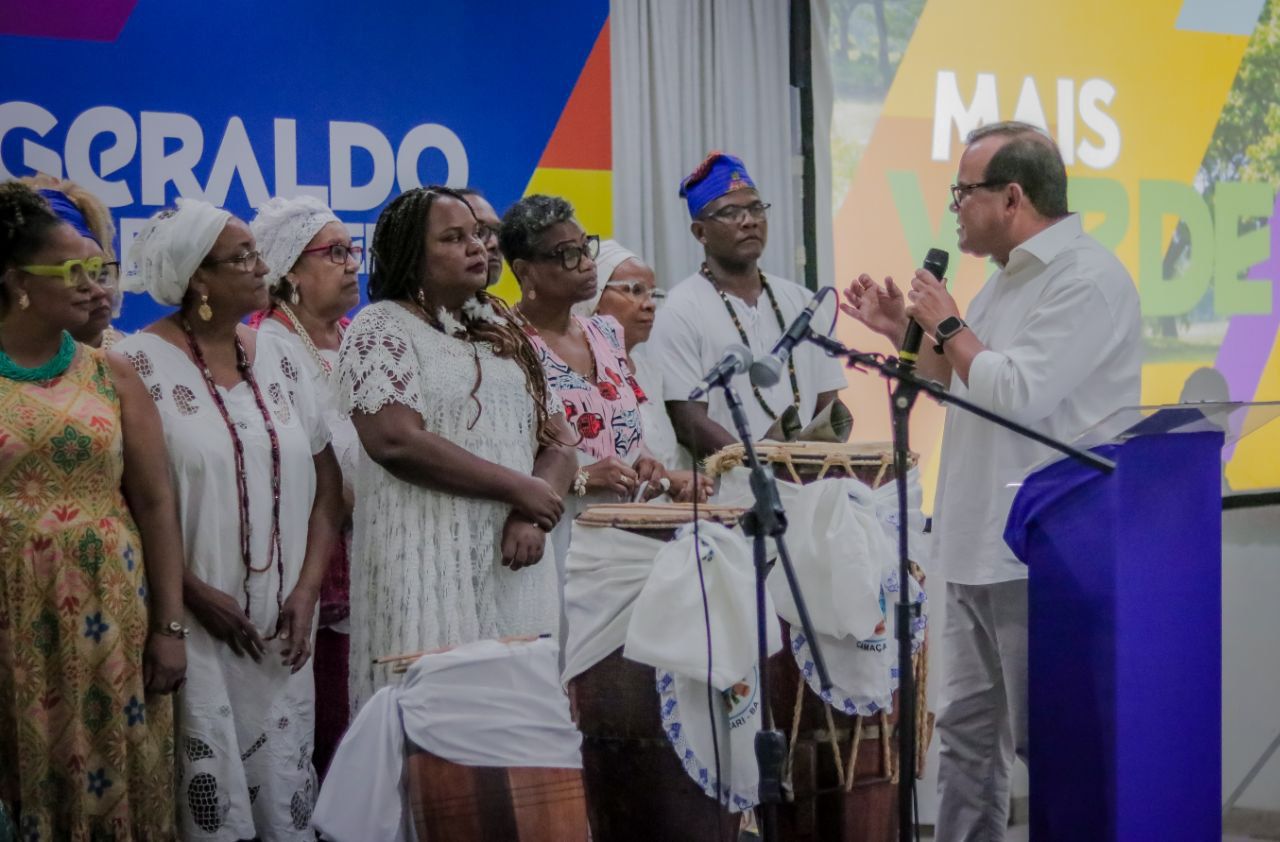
[426,565]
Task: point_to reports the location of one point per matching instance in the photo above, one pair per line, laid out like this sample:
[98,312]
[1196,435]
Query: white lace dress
[426,565]
[244,730]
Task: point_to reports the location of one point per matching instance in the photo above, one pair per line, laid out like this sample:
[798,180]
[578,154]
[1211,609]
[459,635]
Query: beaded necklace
[242,482]
[55,367]
[782,326]
[296,324]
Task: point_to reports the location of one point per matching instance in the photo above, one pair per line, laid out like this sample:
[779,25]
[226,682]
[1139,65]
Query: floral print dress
[84,754]
[603,410]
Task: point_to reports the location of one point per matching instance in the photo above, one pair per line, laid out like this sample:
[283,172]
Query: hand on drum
[881,308]
[683,487]
[650,473]
[522,542]
[612,475]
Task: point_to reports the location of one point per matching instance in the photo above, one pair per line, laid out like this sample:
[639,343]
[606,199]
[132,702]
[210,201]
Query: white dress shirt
[693,330]
[1064,350]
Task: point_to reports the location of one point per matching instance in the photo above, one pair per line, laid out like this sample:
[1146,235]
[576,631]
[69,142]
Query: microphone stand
[767,519]
[909,386]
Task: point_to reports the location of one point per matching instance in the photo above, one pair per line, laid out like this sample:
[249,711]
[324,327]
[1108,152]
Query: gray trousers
[983,722]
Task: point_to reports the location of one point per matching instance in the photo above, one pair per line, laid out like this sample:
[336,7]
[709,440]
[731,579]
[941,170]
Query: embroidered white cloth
[842,552]
[283,227]
[683,705]
[628,590]
[487,703]
[170,247]
[668,628]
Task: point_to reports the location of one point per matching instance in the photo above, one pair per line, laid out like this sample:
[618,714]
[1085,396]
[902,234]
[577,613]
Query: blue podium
[1125,632]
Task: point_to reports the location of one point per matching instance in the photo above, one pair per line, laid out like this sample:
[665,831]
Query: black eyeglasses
[959,191]
[484,232]
[338,252]
[571,256]
[735,214]
[246,262]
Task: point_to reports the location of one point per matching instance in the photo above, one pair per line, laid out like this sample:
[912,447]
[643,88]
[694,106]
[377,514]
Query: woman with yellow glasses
[87,214]
[90,554]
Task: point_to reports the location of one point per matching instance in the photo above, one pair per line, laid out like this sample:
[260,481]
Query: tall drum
[843,769]
[636,787]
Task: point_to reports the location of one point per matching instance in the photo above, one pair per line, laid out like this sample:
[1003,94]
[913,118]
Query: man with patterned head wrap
[731,301]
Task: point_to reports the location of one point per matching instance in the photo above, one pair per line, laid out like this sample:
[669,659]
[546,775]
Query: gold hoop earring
[23,301]
[204,311]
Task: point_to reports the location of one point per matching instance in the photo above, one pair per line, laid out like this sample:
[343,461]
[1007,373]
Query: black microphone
[735,360]
[767,370]
[936,262]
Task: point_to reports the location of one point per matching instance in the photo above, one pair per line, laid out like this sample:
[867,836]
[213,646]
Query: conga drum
[636,787]
[453,802]
[843,769]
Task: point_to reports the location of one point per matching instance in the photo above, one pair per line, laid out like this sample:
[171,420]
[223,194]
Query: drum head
[657,515]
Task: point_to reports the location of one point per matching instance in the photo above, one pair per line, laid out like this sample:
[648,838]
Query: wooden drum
[635,786]
[843,769]
[455,803]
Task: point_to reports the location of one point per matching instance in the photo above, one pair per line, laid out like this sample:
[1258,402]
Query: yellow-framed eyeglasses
[74,272]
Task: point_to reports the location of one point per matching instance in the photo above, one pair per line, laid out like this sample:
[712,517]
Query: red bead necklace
[242,482]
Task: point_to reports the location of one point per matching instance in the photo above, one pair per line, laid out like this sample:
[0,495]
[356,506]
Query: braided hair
[25,221]
[398,258]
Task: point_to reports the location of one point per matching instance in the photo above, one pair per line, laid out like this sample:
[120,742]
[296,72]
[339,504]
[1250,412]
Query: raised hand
[881,308]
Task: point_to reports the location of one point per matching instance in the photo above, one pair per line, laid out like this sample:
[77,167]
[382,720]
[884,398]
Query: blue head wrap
[66,210]
[717,175]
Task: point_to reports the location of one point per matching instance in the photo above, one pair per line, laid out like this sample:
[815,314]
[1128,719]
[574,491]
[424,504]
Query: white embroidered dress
[426,565]
[244,730]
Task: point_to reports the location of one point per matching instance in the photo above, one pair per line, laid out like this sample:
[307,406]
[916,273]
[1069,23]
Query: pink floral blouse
[604,412]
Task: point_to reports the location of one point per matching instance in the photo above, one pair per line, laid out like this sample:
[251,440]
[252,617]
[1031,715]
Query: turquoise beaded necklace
[55,367]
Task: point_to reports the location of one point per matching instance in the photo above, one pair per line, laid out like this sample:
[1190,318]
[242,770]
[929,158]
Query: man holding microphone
[1053,340]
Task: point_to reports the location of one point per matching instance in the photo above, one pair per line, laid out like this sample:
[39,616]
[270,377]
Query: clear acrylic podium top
[1234,419]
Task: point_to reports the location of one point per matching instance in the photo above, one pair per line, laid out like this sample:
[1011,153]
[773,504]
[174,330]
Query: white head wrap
[283,227]
[170,247]
[612,255]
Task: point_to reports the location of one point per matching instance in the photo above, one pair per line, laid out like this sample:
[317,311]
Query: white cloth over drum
[487,703]
[628,590]
[843,540]
[668,628]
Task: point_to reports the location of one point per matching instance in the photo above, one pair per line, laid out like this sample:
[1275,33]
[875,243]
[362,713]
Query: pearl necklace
[325,366]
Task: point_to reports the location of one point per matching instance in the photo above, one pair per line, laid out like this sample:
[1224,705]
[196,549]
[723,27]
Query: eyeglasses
[638,290]
[959,191]
[484,232]
[246,262]
[571,256]
[338,252]
[735,214]
[73,273]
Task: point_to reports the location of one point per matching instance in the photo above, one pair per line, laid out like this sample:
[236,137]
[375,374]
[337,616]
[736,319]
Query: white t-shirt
[693,330]
[1064,350]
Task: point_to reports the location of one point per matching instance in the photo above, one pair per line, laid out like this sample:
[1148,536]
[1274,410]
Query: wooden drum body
[455,803]
[832,798]
[636,787]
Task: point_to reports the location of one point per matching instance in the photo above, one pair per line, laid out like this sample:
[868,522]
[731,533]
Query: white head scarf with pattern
[283,227]
[170,247]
